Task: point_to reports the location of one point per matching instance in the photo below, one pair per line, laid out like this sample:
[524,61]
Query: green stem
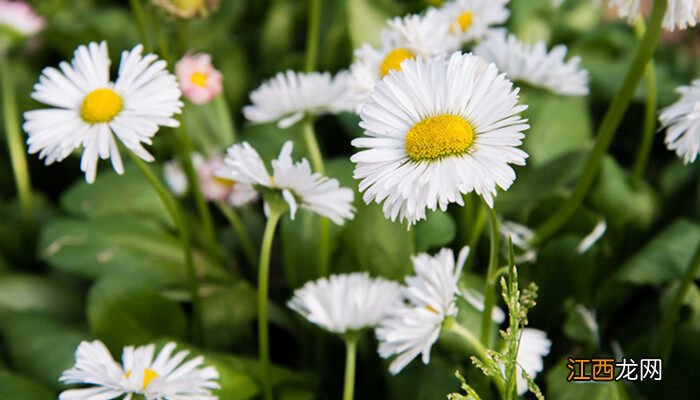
[312,145]
[489,289]
[183,31]
[666,339]
[350,360]
[162,41]
[609,126]
[263,289]
[176,213]
[15,144]
[475,236]
[313,35]
[651,105]
[238,228]
[225,118]
[141,23]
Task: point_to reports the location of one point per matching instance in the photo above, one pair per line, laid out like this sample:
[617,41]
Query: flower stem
[18,154]
[141,23]
[666,339]
[350,359]
[225,118]
[183,31]
[263,289]
[489,289]
[312,145]
[651,105]
[176,213]
[313,35]
[475,236]
[609,126]
[238,228]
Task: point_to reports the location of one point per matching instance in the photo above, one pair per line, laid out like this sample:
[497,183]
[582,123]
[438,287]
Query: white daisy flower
[406,38]
[534,65]
[682,123]
[165,377]
[534,346]
[439,129]
[19,18]
[431,297]
[343,303]
[299,186]
[90,111]
[471,20]
[680,14]
[290,95]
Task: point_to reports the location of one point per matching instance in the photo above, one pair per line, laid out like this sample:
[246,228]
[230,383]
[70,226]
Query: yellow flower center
[100,106]
[463,22]
[393,60]
[188,6]
[438,137]
[224,182]
[148,376]
[199,79]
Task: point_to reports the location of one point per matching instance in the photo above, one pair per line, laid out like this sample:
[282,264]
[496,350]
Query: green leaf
[39,346]
[24,292]
[665,258]
[16,387]
[123,311]
[438,230]
[366,22]
[228,312]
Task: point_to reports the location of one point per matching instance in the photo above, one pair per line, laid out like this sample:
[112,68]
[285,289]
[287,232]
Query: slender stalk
[489,289]
[650,110]
[183,31]
[609,126]
[141,23]
[312,145]
[313,34]
[666,339]
[176,213]
[238,228]
[475,236]
[263,289]
[350,359]
[15,144]
[225,117]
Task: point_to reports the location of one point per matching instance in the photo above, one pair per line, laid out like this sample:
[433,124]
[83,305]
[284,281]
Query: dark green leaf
[15,387]
[23,292]
[438,230]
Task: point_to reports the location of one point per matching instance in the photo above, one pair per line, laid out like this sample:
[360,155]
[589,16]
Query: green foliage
[13,386]
[25,293]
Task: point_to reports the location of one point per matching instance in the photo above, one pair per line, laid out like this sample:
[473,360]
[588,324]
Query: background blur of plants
[103,263]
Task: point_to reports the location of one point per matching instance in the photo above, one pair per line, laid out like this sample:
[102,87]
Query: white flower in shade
[299,186]
[163,377]
[680,14]
[470,20]
[89,111]
[431,297]
[406,38]
[343,303]
[199,80]
[682,123]
[534,65]
[175,177]
[439,129]
[290,95]
[19,18]
[534,346]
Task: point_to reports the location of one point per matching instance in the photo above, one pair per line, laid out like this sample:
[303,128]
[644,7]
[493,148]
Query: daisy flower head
[88,110]
[290,95]
[142,372]
[430,298]
[471,20]
[199,80]
[534,346]
[187,8]
[534,65]
[680,14]
[682,123]
[346,303]
[296,182]
[19,19]
[437,130]
[406,38]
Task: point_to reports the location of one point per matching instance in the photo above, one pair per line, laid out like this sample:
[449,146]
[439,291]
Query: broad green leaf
[24,292]
[439,229]
[228,313]
[123,311]
[16,387]
[39,346]
[664,258]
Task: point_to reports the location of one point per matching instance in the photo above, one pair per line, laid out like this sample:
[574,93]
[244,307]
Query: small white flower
[406,38]
[299,186]
[90,111]
[534,346]
[343,303]
[682,123]
[431,297]
[534,64]
[165,377]
[290,95]
[20,18]
[438,129]
[470,20]
[680,14]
